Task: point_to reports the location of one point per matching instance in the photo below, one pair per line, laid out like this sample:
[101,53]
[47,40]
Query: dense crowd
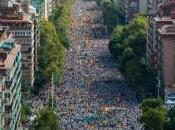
[37,103]
[93,94]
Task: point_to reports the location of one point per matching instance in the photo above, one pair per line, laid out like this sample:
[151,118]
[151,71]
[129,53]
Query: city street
[92,94]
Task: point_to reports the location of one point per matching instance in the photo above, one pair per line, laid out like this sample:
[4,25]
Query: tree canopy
[154,114]
[50,54]
[170,125]
[151,103]
[112,14]
[60,17]
[128,46]
[46,120]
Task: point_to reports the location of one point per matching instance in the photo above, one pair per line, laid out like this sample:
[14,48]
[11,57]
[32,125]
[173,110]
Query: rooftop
[16,21]
[167,30]
[10,49]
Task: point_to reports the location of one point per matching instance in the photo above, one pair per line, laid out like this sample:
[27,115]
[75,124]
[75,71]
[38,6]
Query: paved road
[92,94]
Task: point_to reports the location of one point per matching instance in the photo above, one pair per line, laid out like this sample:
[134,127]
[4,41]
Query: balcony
[3,72]
[6,101]
[8,84]
[24,51]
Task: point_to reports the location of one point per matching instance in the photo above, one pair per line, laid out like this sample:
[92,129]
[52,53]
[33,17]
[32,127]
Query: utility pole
[52,90]
[158,87]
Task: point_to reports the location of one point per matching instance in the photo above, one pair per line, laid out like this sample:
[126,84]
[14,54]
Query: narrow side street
[92,93]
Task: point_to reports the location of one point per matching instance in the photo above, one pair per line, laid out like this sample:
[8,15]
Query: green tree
[128,45]
[112,13]
[56,13]
[115,46]
[134,71]
[154,119]
[50,54]
[151,103]
[171,122]
[154,114]
[171,113]
[60,17]
[127,54]
[46,120]
[132,35]
[24,112]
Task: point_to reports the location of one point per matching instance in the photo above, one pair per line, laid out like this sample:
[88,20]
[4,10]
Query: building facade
[23,31]
[10,83]
[166,40]
[22,21]
[38,4]
[160,44]
[44,7]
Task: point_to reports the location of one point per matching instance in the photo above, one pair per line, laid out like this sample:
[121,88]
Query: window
[1,95]
[7,109]
[7,95]
[7,121]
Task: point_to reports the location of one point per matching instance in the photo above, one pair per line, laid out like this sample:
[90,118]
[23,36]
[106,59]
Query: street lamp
[158,87]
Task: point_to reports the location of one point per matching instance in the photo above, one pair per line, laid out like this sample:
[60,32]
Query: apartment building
[38,4]
[160,44]
[34,17]
[162,16]
[132,8]
[23,31]
[154,24]
[22,21]
[10,82]
[153,6]
[44,7]
[166,40]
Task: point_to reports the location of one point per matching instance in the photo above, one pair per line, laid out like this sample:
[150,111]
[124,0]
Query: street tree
[171,122]
[46,120]
[154,114]
[154,119]
[128,46]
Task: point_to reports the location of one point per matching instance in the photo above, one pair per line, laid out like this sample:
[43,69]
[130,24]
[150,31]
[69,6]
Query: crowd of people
[92,94]
[37,103]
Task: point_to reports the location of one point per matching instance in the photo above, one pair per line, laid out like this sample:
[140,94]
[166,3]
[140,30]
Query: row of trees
[112,13]
[53,43]
[50,54]
[60,17]
[156,117]
[128,46]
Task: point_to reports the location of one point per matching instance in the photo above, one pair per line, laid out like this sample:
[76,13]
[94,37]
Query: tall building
[38,4]
[44,7]
[160,44]
[154,24]
[10,82]
[132,8]
[22,21]
[23,31]
[152,6]
[166,40]
[143,6]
